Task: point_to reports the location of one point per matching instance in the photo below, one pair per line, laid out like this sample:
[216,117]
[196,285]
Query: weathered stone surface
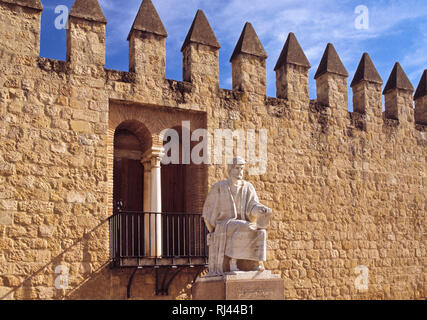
[348,188]
[421,110]
[398,80]
[201,32]
[147,57]
[35,4]
[366,71]
[148,20]
[26,41]
[241,286]
[367,100]
[86,47]
[292,83]
[398,96]
[6,169]
[249,43]
[292,53]
[249,74]
[422,87]
[201,66]
[88,10]
[332,91]
[80,126]
[399,105]
[330,63]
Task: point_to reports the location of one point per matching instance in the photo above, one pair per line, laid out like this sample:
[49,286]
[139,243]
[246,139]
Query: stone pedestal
[248,285]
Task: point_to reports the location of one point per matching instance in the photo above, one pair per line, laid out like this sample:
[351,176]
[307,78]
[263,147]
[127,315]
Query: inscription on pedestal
[268,289]
[245,286]
[255,294]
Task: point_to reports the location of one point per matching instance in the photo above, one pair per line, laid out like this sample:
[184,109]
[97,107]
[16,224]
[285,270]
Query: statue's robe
[235,231]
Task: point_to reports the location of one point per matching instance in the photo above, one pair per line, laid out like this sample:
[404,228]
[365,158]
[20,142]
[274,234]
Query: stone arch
[135,132]
[148,122]
[131,140]
[140,130]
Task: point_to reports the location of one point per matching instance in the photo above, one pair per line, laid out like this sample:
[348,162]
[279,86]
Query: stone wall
[347,189]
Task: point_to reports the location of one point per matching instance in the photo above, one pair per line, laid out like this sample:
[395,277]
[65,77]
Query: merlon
[148,20]
[366,71]
[331,63]
[88,10]
[292,54]
[398,80]
[249,43]
[201,32]
[422,86]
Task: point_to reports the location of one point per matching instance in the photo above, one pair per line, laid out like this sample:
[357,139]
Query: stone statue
[236,222]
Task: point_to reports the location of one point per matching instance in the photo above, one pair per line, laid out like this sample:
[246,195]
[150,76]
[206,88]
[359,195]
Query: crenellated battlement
[347,189]
[147,60]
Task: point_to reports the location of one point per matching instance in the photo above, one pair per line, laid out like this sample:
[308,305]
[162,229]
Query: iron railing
[150,235]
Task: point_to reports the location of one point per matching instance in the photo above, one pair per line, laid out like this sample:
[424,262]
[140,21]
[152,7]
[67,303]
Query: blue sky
[397,31]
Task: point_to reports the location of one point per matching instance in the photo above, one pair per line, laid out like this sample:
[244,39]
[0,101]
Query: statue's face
[237,171]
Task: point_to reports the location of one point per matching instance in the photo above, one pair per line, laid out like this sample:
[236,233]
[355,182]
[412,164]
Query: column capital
[146,165]
[146,160]
[153,156]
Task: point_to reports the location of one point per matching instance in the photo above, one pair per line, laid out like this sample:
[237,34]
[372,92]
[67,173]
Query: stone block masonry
[347,189]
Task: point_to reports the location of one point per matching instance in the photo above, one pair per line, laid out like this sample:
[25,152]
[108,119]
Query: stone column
[148,237]
[147,185]
[153,202]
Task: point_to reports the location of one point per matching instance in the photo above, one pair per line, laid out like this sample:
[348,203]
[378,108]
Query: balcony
[141,239]
[148,239]
[163,241]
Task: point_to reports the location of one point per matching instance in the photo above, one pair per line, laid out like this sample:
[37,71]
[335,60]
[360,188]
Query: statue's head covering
[236,161]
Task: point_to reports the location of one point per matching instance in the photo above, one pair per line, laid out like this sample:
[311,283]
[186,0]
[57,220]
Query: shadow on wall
[108,283]
[41,283]
[89,280]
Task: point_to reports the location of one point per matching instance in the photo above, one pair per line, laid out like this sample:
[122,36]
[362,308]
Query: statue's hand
[264,216]
[259,211]
[264,210]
